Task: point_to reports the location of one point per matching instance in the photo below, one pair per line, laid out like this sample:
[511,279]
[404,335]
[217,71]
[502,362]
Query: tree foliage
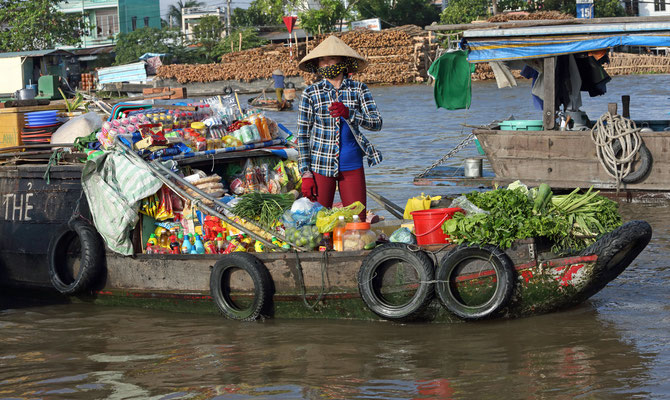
[208,36]
[260,13]
[464,11]
[250,40]
[326,17]
[608,8]
[174,11]
[132,45]
[398,12]
[37,25]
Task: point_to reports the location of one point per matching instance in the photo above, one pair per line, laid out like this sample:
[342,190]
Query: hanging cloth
[453,83]
[504,77]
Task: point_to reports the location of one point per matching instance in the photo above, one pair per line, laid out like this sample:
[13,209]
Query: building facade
[190,17]
[108,18]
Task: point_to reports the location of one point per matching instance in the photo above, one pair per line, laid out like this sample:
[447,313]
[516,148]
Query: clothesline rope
[606,133]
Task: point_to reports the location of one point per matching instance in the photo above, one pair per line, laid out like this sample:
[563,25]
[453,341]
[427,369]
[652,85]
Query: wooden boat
[270,105]
[566,159]
[50,243]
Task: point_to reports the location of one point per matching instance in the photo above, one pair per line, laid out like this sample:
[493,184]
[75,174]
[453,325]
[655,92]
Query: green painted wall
[140,9]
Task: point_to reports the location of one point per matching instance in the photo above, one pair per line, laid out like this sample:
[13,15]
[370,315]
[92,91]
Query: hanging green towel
[452,80]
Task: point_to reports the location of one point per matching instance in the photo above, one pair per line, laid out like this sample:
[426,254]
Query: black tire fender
[227,90]
[91,260]
[503,268]
[617,249]
[260,276]
[646,161]
[422,264]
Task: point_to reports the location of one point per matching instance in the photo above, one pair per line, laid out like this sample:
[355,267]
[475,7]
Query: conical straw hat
[278,72]
[333,46]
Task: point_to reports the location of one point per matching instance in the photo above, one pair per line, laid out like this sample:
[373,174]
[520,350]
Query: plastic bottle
[259,247]
[174,245]
[153,240]
[150,249]
[199,245]
[326,242]
[339,229]
[220,244]
[265,129]
[186,247]
[233,245]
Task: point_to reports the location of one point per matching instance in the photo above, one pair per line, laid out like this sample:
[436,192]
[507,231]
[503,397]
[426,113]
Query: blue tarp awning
[518,48]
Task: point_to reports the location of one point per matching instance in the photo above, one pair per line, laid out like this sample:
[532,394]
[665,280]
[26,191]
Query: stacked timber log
[626,64]
[398,55]
[246,66]
[526,16]
[483,72]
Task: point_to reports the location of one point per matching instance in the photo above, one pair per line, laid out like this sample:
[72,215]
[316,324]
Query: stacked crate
[87,82]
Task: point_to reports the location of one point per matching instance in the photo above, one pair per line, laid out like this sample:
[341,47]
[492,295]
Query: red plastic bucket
[428,225]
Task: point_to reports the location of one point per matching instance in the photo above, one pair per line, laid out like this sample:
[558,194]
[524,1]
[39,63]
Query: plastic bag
[403,235]
[165,205]
[418,203]
[303,212]
[326,219]
[464,203]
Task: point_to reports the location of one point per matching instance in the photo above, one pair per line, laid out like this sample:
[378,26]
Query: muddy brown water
[614,346]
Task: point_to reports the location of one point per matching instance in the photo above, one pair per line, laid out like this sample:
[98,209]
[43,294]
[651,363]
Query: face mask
[332,71]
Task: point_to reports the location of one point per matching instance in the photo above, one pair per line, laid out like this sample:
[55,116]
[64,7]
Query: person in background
[278,77]
[330,144]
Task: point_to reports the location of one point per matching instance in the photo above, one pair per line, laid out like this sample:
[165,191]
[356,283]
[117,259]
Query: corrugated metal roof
[95,50]
[273,36]
[35,53]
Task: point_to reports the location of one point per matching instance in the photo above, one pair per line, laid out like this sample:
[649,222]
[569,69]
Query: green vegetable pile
[571,222]
[267,208]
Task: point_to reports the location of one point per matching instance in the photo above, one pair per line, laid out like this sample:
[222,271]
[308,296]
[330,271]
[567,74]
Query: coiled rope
[605,133]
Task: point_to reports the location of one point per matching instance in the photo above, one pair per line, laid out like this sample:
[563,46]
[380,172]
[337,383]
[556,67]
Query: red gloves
[308,188]
[337,110]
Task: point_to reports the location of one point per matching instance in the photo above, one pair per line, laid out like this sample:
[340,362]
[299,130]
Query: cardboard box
[12,121]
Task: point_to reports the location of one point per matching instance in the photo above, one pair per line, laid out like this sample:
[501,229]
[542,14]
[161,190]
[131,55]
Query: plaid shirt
[319,133]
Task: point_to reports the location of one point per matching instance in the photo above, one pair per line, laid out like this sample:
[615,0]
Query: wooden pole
[295,36]
[240,47]
[549,111]
[232,49]
[611,108]
[319,30]
[625,106]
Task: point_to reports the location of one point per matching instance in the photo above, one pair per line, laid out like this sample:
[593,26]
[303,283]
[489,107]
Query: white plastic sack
[82,125]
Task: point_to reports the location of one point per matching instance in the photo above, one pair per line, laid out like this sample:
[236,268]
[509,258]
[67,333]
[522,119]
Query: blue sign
[585,9]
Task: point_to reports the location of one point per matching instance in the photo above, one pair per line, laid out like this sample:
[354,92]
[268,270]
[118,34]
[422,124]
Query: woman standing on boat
[331,111]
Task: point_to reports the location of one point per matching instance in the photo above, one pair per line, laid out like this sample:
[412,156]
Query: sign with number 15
[585,9]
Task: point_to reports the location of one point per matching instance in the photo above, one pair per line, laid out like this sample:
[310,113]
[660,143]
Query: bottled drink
[265,130]
[174,245]
[339,229]
[220,243]
[186,247]
[326,242]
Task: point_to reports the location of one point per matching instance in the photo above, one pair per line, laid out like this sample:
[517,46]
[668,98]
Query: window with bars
[106,23]
[659,5]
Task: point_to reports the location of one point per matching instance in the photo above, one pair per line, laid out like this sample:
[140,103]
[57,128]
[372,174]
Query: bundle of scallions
[266,208]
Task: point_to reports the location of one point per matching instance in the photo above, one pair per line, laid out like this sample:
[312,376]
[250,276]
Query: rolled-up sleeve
[305,124]
[369,117]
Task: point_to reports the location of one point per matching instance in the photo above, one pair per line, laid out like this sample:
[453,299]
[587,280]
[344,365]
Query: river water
[614,346]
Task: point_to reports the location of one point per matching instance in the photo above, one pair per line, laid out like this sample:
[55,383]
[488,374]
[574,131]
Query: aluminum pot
[25,94]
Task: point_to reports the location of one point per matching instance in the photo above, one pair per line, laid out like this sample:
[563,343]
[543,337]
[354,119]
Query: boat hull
[567,159]
[306,285]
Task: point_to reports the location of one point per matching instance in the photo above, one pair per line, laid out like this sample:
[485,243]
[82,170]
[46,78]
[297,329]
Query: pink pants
[351,185]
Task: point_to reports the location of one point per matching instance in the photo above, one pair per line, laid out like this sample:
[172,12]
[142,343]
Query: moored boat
[49,242]
[569,149]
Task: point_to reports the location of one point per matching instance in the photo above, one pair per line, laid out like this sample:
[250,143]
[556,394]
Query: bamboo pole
[240,47]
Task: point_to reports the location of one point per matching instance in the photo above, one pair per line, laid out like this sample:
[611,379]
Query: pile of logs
[483,72]
[397,55]
[525,16]
[626,64]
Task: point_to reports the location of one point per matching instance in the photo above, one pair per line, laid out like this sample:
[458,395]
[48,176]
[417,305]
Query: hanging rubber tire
[221,290]
[390,263]
[76,258]
[617,249]
[227,90]
[646,161]
[469,301]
